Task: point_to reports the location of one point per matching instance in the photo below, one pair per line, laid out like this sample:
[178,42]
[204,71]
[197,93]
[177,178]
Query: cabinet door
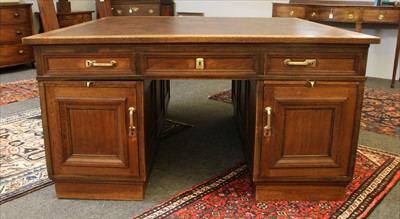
[310,132]
[93,128]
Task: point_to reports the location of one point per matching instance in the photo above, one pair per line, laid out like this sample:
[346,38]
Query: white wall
[381,56]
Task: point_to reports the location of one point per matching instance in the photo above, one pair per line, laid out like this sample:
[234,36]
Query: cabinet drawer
[214,64]
[15,54]
[312,64]
[14,33]
[136,10]
[290,11]
[384,16]
[82,64]
[348,14]
[14,15]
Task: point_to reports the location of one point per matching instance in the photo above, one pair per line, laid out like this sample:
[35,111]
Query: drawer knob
[94,63]
[119,11]
[307,63]
[199,63]
[267,128]
[350,16]
[381,17]
[151,11]
[18,32]
[291,13]
[313,14]
[16,14]
[20,51]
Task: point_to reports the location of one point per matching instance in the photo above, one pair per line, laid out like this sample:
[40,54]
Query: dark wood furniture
[297,92]
[74,17]
[357,13]
[15,23]
[142,7]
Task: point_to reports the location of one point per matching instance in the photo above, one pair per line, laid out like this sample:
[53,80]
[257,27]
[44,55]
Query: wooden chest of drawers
[15,23]
[142,8]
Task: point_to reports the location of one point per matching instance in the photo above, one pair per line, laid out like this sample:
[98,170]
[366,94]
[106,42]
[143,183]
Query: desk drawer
[289,11]
[381,16]
[220,64]
[335,14]
[89,65]
[311,64]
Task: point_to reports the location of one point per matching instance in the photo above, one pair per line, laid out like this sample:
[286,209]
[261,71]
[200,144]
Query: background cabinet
[142,7]
[15,23]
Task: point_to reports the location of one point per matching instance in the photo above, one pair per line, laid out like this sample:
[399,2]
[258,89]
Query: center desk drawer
[317,64]
[80,65]
[198,64]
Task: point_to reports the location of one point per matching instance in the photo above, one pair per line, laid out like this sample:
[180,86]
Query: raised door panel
[89,128]
[311,130]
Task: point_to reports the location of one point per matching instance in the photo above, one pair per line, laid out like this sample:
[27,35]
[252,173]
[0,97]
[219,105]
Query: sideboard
[142,7]
[357,13]
[297,91]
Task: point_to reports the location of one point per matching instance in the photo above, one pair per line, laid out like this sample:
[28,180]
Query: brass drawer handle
[21,51]
[291,13]
[151,11]
[267,128]
[132,128]
[16,14]
[308,63]
[311,83]
[94,63]
[381,17]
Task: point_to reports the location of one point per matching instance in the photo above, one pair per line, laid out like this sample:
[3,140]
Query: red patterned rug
[380,112]
[18,91]
[231,195]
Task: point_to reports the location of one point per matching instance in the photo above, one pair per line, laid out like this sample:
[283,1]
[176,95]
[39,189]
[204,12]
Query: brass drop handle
[291,13]
[88,83]
[267,128]
[313,14]
[381,17]
[94,63]
[311,83]
[132,128]
[308,63]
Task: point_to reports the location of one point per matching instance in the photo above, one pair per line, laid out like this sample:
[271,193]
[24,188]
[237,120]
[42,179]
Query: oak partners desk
[297,92]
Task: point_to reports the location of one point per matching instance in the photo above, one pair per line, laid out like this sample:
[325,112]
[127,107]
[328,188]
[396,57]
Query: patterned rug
[380,112]
[22,158]
[230,195]
[18,91]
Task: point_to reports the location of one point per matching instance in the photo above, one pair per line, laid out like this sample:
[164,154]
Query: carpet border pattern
[359,204]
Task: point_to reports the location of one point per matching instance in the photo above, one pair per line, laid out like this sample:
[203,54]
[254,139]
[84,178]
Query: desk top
[125,29]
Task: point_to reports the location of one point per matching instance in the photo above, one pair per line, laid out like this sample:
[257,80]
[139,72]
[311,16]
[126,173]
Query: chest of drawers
[142,8]
[15,23]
